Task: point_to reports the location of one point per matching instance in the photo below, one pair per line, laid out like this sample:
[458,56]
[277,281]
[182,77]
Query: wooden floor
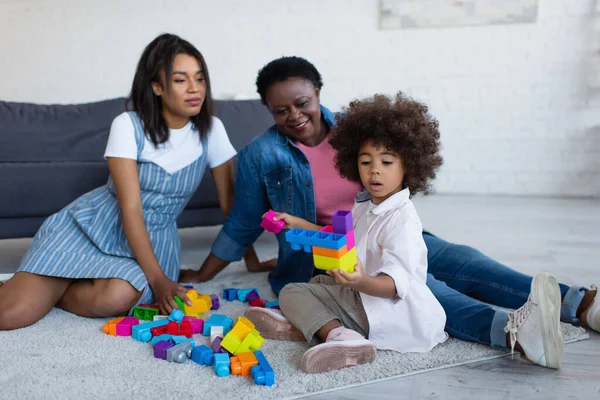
[561,236]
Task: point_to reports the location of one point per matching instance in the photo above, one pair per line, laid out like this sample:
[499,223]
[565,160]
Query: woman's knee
[115,297]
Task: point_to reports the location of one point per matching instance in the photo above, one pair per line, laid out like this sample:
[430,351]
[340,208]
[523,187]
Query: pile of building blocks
[242,338]
[272,226]
[251,296]
[333,247]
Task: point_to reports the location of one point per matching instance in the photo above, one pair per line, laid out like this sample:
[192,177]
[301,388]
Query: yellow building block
[231,343]
[201,303]
[346,263]
[242,328]
[253,341]
[242,363]
[322,251]
[110,328]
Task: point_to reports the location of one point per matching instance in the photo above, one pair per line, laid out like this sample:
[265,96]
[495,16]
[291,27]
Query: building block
[110,328]
[180,338]
[217,320]
[231,342]
[242,294]
[215,332]
[350,240]
[346,263]
[342,221]
[272,226]
[179,302]
[159,317]
[215,302]
[241,363]
[216,345]
[242,328]
[258,303]
[141,332]
[201,303]
[176,315]
[252,341]
[184,328]
[262,373]
[321,251]
[222,363]
[159,330]
[229,294]
[272,304]
[188,286]
[145,313]
[160,349]
[252,296]
[179,352]
[203,355]
[327,228]
[197,324]
[302,239]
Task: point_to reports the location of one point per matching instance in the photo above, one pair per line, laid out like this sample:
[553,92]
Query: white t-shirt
[183,147]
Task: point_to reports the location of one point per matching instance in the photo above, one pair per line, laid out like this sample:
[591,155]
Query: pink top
[332,192]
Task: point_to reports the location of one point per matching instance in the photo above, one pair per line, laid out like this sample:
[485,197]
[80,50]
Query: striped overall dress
[86,239]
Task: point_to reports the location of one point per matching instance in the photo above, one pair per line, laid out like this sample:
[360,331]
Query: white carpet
[68,357]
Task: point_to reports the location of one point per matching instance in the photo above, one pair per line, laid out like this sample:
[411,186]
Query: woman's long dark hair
[157,57]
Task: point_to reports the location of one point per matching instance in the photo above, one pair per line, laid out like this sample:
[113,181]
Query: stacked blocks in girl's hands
[334,247]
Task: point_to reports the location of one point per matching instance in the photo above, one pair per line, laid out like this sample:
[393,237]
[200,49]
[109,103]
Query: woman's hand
[164,291]
[294,222]
[356,280]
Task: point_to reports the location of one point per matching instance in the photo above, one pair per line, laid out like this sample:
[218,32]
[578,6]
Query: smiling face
[295,106]
[381,171]
[187,91]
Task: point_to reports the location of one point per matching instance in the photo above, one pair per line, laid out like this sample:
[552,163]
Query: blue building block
[165,337]
[142,333]
[302,239]
[229,294]
[222,364]
[203,355]
[271,304]
[262,373]
[176,315]
[217,320]
[242,293]
[180,338]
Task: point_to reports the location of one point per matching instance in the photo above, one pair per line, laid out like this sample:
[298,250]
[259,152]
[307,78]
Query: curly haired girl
[391,146]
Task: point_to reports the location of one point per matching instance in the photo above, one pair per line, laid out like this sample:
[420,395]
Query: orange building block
[242,363]
[110,328]
[321,251]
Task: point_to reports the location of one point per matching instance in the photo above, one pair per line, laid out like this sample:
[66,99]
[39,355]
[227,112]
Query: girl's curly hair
[401,125]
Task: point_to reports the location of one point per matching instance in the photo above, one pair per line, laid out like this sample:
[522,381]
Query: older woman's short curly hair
[401,125]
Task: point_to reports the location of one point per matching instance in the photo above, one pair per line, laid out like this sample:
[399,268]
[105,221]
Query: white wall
[514,106]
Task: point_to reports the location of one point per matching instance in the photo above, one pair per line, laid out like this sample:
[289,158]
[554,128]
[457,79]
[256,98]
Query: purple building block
[252,295]
[270,225]
[342,222]
[216,345]
[160,349]
[215,302]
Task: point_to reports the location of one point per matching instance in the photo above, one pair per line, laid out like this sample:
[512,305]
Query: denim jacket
[273,174]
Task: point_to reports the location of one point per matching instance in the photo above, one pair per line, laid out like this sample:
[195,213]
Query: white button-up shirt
[390,241]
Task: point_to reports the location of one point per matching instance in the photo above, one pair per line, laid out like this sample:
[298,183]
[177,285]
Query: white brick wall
[516,112]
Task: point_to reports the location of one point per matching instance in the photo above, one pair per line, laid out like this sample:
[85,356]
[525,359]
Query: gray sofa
[51,154]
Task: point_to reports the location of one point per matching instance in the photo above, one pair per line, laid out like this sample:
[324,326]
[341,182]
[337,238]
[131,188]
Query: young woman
[117,245]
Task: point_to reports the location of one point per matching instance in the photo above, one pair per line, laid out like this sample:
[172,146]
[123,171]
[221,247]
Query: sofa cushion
[51,154]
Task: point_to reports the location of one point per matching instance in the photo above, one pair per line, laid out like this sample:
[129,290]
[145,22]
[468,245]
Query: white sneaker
[343,348]
[593,311]
[536,325]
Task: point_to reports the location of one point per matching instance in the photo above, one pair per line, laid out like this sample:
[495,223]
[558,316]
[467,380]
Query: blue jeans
[459,276]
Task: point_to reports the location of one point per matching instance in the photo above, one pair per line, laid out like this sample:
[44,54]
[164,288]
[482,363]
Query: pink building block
[124,326]
[197,324]
[327,229]
[270,225]
[350,240]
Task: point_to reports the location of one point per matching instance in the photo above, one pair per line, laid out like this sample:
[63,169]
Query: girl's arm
[125,176]
[223,176]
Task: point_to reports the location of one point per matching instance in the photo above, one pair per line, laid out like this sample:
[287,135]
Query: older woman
[290,168]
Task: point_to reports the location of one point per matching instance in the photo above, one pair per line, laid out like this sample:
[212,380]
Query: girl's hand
[291,221]
[355,280]
[164,291]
